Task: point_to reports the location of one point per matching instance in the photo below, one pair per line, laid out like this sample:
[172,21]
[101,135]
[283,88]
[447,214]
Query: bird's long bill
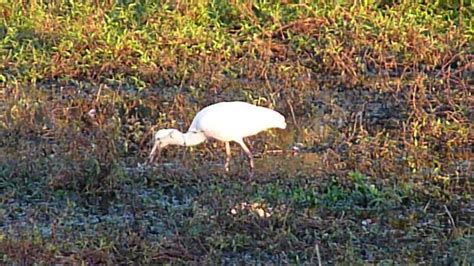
[155,152]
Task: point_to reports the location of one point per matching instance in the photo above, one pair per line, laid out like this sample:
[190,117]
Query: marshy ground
[376,164]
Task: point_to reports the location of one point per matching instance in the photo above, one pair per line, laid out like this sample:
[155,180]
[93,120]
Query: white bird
[224,121]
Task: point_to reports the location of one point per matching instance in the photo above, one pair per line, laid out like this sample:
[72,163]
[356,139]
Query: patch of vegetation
[376,163]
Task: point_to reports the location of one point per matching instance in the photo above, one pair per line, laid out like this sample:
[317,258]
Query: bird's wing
[228,121]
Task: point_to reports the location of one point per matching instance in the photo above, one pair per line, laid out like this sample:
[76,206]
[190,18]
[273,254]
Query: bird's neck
[193,138]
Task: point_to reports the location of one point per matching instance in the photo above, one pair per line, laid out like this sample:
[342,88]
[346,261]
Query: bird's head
[163,138]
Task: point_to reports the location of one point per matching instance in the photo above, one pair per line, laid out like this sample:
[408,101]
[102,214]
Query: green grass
[377,93]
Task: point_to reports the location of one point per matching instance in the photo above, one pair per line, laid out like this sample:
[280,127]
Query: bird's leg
[183,159]
[228,157]
[248,152]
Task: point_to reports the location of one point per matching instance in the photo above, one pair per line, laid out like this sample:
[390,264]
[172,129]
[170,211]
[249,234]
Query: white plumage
[224,121]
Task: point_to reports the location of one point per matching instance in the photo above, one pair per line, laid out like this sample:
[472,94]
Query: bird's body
[232,121]
[224,121]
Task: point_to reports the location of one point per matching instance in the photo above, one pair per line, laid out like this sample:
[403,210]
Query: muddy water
[289,165]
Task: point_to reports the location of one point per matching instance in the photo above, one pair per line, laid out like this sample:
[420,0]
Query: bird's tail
[281,121]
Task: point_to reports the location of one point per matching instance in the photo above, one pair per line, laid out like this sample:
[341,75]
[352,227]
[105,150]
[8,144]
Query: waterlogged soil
[164,215]
[336,186]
